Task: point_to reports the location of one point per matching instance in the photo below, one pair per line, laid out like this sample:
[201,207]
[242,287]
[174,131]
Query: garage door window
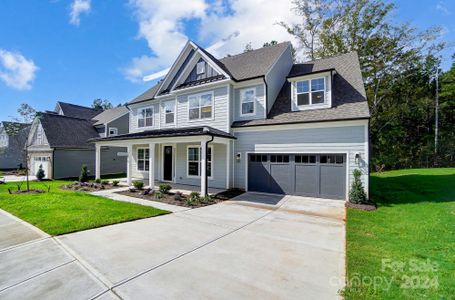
[258,158]
[332,159]
[279,158]
[305,159]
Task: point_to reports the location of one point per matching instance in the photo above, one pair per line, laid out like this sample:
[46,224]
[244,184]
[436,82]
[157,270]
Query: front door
[167,163]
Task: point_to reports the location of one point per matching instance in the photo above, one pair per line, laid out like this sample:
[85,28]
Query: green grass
[414,225]
[60,211]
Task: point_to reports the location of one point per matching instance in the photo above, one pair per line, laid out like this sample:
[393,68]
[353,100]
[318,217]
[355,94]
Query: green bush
[115,182]
[357,193]
[83,177]
[138,184]
[105,182]
[165,188]
[158,195]
[40,173]
[97,180]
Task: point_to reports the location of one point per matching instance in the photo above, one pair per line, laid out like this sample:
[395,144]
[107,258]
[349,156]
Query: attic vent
[200,67]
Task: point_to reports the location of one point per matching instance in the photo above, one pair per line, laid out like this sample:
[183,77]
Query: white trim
[118,117]
[213,64]
[277,127]
[164,111]
[204,86]
[139,112]
[310,106]
[114,129]
[241,93]
[228,165]
[198,96]
[174,149]
[144,159]
[186,70]
[211,161]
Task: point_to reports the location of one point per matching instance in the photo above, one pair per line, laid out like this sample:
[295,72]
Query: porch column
[151,165]
[129,165]
[98,161]
[203,168]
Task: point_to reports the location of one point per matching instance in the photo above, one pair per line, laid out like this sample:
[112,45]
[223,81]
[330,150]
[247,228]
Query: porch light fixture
[357,158]
[238,156]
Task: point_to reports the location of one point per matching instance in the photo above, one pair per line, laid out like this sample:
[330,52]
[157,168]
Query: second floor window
[40,136]
[145,117]
[169,112]
[310,92]
[247,100]
[113,131]
[200,106]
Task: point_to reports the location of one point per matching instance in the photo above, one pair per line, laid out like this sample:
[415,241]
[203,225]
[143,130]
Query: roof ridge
[63,116]
[254,50]
[86,107]
[328,57]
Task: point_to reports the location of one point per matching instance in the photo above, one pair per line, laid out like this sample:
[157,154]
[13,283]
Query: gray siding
[349,139]
[260,103]
[277,76]
[122,124]
[13,156]
[209,72]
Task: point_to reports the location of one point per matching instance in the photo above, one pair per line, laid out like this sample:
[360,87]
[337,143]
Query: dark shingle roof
[77,111]
[239,67]
[110,114]
[349,98]
[67,132]
[172,132]
[200,81]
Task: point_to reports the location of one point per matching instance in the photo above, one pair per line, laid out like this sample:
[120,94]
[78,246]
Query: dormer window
[200,67]
[311,92]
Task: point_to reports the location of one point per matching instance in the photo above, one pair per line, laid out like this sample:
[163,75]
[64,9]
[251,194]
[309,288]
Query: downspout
[206,152]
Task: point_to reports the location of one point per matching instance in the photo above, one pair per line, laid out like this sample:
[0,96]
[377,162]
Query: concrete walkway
[241,249]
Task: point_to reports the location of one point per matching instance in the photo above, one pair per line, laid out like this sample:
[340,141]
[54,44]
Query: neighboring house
[58,140]
[12,140]
[254,121]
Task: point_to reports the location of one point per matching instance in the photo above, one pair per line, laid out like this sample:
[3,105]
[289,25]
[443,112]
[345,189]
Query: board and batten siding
[346,139]
[259,104]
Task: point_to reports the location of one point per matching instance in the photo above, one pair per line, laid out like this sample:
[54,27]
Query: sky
[79,50]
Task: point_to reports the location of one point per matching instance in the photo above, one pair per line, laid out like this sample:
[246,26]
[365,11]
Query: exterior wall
[180,70]
[111,163]
[209,72]
[346,139]
[259,105]
[218,180]
[31,162]
[277,76]
[34,131]
[13,156]
[122,124]
[135,112]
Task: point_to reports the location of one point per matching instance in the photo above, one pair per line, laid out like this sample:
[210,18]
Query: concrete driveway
[275,248]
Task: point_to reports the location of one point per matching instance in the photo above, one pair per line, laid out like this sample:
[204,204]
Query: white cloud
[441,6]
[16,71]
[79,7]
[161,24]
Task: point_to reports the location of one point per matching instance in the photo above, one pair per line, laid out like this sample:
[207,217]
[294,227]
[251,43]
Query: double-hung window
[143,159]
[200,106]
[145,117]
[310,92]
[194,161]
[169,112]
[247,100]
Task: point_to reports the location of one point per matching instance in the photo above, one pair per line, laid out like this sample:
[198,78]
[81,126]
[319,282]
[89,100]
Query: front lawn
[405,249]
[60,211]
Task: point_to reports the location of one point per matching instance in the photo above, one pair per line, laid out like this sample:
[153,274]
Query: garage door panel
[306,180]
[281,179]
[333,181]
[258,177]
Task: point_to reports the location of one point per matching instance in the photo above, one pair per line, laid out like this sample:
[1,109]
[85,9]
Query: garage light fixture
[357,158]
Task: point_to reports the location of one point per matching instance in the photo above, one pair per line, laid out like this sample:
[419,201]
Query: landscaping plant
[83,177]
[165,188]
[158,195]
[138,184]
[105,182]
[357,193]
[40,173]
[98,180]
[115,182]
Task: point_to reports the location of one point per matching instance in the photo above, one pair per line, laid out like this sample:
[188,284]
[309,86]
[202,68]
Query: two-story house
[58,140]
[12,139]
[254,121]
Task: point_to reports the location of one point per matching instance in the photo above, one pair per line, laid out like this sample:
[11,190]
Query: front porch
[190,159]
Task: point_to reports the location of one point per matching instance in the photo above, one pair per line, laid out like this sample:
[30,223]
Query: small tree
[40,173]
[357,193]
[84,174]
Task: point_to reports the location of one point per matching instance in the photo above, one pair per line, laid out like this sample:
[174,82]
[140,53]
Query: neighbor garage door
[314,175]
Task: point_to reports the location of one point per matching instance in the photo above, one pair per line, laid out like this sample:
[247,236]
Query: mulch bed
[87,187]
[182,200]
[366,207]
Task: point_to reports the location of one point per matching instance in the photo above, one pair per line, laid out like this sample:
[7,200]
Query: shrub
[138,184]
[357,193]
[178,196]
[105,182]
[98,180]
[165,188]
[83,177]
[158,195]
[207,199]
[40,173]
[194,198]
[115,182]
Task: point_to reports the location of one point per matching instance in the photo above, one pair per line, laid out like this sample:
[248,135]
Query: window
[143,159]
[258,158]
[305,159]
[145,117]
[200,106]
[247,100]
[200,67]
[40,136]
[279,158]
[332,159]
[113,131]
[169,112]
[310,92]
[194,161]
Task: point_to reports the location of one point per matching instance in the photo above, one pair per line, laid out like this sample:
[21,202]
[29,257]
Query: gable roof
[349,97]
[78,111]
[243,66]
[67,132]
[110,115]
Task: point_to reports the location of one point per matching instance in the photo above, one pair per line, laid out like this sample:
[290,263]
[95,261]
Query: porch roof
[170,132]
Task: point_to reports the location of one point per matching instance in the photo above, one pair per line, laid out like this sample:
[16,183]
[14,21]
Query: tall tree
[102,104]
[26,113]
